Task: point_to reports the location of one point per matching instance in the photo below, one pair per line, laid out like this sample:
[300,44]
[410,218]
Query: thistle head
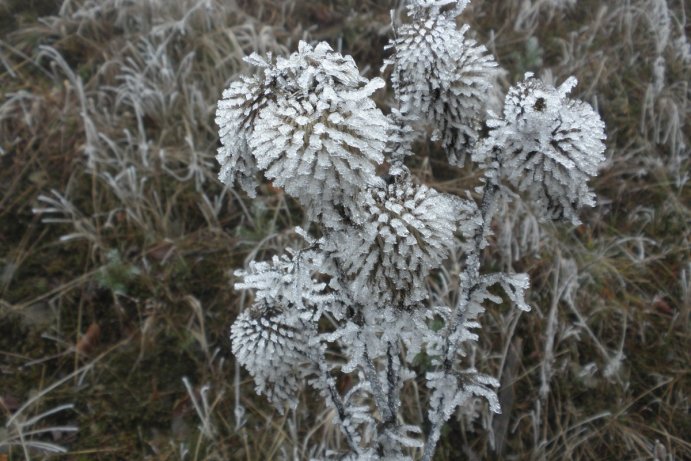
[409,232]
[273,345]
[310,126]
[550,145]
[441,75]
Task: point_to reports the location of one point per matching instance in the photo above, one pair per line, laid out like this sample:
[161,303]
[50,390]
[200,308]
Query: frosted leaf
[451,391]
[550,146]
[273,345]
[407,436]
[444,390]
[287,281]
[408,233]
[464,333]
[349,337]
[488,394]
[413,329]
[351,412]
[514,285]
[441,75]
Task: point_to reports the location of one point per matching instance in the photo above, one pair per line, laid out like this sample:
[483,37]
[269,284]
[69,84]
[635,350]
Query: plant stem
[377,389]
[393,377]
[386,402]
[470,278]
[341,410]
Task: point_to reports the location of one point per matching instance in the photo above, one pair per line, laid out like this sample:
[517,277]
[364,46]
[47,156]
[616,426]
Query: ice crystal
[442,75]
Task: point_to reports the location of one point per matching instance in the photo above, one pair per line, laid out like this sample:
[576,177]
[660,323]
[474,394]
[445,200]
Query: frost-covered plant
[354,299]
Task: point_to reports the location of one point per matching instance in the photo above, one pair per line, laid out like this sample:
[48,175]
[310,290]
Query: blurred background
[118,243]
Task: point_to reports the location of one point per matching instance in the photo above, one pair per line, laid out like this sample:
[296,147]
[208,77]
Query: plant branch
[470,282]
[393,376]
[341,410]
[377,389]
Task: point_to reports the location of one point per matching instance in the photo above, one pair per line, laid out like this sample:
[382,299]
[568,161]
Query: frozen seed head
[551,145]
[441,75]
[273,346]
[310,126]
[409,232]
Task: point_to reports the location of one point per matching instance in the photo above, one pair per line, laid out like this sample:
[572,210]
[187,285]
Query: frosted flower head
[551,145]
[409,232]
[311,127]
[322,141]
[273,345]
[442,76]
